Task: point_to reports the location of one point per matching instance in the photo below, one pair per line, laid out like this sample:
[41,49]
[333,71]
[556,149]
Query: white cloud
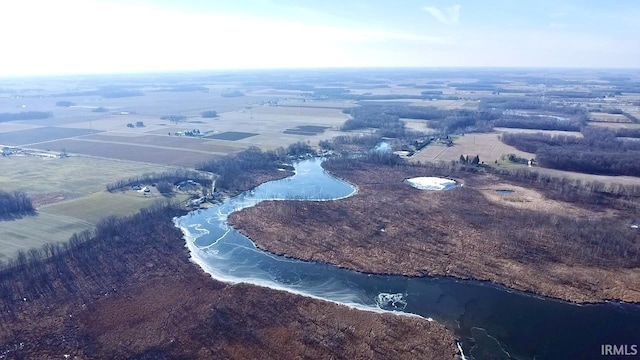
[449,15]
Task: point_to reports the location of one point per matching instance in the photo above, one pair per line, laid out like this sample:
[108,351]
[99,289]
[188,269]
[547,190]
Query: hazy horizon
[145,36]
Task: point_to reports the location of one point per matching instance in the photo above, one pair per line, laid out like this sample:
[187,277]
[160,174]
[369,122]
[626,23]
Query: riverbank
[525,240]
[130,291]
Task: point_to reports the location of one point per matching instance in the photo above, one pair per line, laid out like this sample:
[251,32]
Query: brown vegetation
[599,151]
[129,291]
[578,247]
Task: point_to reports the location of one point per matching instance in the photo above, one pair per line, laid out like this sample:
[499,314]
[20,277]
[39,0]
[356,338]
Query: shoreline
[477,281]
[258,222]
[144,296]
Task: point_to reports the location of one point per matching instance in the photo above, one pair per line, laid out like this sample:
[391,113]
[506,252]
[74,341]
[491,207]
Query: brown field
[391,90]
[271,121]
[447,104]
[119,123]
[418,125]
[608,179]
[286,94]
[632,109]
[15,126]
[604,117]
[252,113]
[231,135]
[146,154]
[330,104]
[487,146]
[173,142]
[311,115]
[617,125]
[69,193]
[41,134]
[532,131]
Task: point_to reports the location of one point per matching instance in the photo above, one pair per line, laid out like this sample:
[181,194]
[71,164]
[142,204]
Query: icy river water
[491,321]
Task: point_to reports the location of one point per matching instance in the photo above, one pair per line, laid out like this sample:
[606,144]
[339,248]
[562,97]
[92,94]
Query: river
[491,321]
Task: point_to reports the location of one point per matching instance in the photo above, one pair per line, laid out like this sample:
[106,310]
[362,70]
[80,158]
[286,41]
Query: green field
[57,222]
[34,231]
[74,176]
[99,205]
[70,197]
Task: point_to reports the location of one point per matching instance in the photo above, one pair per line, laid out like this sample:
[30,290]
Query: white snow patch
[431,183]
[461,352]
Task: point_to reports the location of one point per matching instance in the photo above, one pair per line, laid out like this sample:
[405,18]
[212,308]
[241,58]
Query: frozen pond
[432,183]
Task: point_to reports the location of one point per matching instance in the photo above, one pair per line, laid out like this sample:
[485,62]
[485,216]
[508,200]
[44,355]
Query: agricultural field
[29,137]
[147,154]
[170,142]
[114,128]
[487,146]
[530,131]
[15,126]
[57,222]
[74,176]
[606,179]
[329,104]
[231,135]
[271,123]
[447,104]
[608,118]
[388,90]
[96,206]
[617,125]
[111,134]
[69,195]
[417,125]
[35,231]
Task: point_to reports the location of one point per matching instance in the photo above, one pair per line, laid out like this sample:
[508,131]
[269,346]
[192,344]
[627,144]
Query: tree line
[538,123]
[26,115]
[173,176]
[628,132]
[386,118]
[15,204]
[92,261]
[371,157]
[598,152]
[531,103]
[236,172]
[591,162]
[209,114]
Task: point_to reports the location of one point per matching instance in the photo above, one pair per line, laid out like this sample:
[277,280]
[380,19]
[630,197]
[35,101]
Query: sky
[41,37]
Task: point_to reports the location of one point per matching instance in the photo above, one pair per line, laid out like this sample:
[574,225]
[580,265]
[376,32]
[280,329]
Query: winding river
[491,321]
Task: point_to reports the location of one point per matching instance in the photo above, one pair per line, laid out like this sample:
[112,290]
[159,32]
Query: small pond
[505,192]
[432,183]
